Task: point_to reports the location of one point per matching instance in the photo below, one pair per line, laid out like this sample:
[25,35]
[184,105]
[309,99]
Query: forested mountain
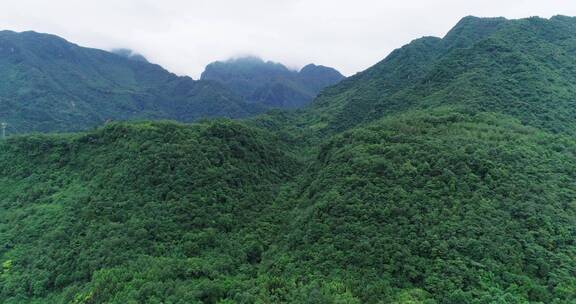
[271,84]
[524,68]
[154,195]
[445,174]
[49,84]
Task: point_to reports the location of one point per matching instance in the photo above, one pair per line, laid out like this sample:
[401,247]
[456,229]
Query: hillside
[271,84]
[48,84]
[433,207]
[524,68]
[444,174]
[83,212]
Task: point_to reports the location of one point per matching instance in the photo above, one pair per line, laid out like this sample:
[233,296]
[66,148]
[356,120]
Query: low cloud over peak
[184,36]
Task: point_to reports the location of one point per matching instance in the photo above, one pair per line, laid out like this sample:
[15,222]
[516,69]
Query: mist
[184,36]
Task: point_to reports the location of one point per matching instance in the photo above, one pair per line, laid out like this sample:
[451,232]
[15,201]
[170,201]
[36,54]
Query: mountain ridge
[64,87]
[441,175]
[384,87]
[270,83]
[52,85]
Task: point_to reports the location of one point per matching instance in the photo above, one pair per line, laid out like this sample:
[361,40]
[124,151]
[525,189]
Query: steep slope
[49,84]
[526,69]
[443,175]
[520,67]
[271,84]
[454,182]
[436,207]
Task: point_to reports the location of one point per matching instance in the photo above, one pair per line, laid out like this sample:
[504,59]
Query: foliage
[468,208]
[49,84]
[91,206]
[523,68]
[444,174]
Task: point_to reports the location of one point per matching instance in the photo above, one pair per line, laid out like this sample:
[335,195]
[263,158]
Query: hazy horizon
[185,36]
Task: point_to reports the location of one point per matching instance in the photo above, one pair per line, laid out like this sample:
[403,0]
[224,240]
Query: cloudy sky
[185,35]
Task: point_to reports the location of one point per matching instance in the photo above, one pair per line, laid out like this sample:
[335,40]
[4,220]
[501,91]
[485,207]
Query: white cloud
[184,36]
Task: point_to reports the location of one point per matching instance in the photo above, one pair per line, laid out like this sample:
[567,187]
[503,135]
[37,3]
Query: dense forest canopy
[444,174]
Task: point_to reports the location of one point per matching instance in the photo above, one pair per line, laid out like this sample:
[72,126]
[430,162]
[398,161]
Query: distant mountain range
[271,84]
[49,84]
[443,174]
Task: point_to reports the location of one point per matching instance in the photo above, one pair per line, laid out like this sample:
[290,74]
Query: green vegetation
[270,84]
[445,174]
[524,68]
[469,209]
[48,84]
[147,198]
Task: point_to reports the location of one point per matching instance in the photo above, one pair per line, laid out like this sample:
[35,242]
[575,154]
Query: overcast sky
[184,36]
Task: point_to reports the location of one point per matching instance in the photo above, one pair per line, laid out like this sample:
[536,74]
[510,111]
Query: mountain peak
[470,29]
[313,67]
[270,83]
[50,84]
[130,54]
[320,76]
[246,59]
[470,68]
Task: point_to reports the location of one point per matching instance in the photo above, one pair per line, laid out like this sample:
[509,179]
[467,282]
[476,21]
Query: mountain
[48,84]
[519,67]
[444,174]
[130,54]
[271,84]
